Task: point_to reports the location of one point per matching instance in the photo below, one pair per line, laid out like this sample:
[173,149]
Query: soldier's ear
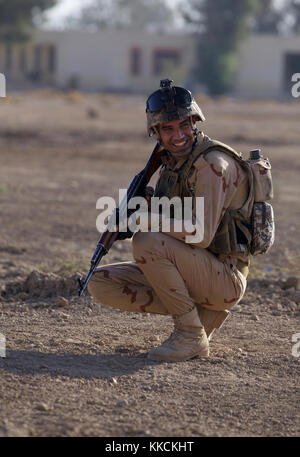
[157,133]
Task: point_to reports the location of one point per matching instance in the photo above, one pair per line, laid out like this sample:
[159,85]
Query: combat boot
[211,319]
[188,340]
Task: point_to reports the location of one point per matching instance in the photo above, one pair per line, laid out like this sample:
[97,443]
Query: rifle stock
[107,238]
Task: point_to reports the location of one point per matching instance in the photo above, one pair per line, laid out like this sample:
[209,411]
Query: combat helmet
[169,103]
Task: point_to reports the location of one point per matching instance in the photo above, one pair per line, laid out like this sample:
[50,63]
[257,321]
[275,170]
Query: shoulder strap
[209,145]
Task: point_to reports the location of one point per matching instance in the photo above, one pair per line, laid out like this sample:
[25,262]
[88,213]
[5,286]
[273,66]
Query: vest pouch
[227,239]
[221,244]
[167,183]
[263,186]
[263,228]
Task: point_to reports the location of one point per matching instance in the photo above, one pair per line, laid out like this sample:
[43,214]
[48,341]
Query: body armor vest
[233,236]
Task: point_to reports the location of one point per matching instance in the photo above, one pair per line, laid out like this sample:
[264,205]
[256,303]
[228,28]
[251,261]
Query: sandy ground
[76,368]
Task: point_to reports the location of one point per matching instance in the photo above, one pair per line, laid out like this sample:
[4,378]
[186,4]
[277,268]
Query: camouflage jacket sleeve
[223,184]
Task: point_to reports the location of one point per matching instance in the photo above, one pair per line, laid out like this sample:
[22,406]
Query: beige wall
[261,65]
[101,61]
[23,63]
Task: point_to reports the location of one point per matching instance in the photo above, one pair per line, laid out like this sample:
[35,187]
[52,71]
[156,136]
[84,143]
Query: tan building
[131,61]
[266,66]
[103,61]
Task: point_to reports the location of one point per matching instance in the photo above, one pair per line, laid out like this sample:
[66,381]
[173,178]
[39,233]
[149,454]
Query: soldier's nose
[178,134]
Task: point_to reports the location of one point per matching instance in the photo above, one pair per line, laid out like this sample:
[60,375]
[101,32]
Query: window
[51,65]
[8,57]
[135,61]
[22,60]
[164,60]
[37,58]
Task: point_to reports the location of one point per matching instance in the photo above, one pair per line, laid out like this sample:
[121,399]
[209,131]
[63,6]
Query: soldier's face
[177,136]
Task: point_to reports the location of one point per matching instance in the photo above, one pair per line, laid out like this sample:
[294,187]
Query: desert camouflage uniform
[170,276]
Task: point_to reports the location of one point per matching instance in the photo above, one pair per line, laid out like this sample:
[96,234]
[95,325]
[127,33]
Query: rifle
[136,188]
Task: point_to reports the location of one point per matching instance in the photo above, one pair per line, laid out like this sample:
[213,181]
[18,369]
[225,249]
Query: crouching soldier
[194,282]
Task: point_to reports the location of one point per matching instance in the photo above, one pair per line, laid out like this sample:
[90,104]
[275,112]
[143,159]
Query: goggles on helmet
[169,98]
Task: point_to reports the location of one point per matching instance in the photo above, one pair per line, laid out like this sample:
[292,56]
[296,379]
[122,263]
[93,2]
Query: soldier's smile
[181,145]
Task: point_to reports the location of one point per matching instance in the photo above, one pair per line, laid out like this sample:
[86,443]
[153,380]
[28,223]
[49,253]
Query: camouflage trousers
[168,277]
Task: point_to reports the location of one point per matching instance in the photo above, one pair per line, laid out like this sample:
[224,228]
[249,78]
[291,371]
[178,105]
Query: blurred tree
[17,17]
[100,14]
[277,17]
[143,13]
[295,12]
[222,25]
[268,19]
